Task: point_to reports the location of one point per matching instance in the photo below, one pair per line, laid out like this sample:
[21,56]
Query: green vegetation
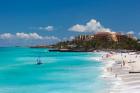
[124,43]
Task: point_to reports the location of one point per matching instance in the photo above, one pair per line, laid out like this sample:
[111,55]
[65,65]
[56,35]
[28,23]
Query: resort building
[84,37]
[120,37]
[106,36]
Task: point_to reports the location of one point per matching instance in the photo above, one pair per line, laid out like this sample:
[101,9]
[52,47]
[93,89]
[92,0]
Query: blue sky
[28,22]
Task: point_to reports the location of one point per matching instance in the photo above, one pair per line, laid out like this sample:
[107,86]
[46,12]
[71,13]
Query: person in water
[39,61]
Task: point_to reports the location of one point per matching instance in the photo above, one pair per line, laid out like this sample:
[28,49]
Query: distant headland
[97,41]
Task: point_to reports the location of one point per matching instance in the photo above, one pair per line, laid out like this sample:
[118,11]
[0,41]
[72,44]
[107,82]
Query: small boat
[39,62]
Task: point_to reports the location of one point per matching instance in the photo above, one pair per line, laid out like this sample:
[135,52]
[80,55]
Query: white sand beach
[123,70]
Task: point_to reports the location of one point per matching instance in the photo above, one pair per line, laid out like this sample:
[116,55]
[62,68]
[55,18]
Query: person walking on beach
[123,63]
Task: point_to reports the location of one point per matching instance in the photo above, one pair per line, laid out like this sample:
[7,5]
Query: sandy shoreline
[123,71]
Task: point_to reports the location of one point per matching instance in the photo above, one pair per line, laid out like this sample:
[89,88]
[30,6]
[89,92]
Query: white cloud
[91,26]
[47,28]
[78,28]
[28,36]
[21,38]
[130,32]
[6,36]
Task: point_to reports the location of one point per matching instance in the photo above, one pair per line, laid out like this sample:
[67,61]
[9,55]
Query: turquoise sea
[61,72]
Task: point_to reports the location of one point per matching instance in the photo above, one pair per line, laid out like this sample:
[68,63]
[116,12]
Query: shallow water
[67,72]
